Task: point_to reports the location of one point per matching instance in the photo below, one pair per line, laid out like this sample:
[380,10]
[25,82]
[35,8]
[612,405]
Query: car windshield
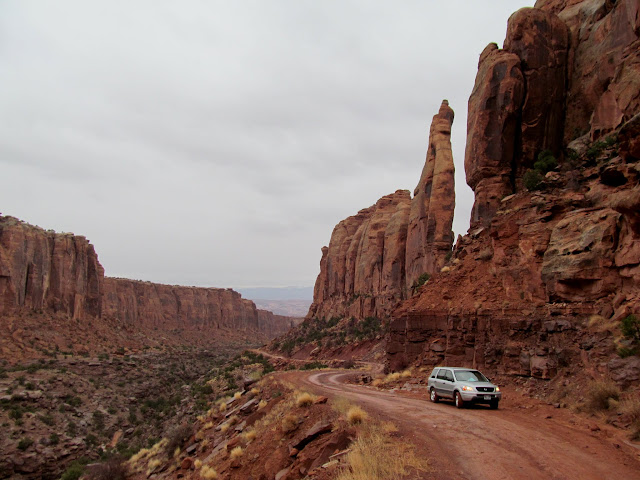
[470,376]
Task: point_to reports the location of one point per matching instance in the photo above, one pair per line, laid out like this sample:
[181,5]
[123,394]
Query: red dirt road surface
[482,444]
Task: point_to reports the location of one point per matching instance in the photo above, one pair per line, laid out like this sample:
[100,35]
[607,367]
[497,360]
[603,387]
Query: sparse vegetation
[208,473]
[600,394]
[290,423]
[114,468]
[374,456]
[178,436]
[304,399]
[356,415]
[236,453]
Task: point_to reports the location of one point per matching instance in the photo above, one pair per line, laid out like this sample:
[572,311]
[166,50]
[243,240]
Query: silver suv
[463,385]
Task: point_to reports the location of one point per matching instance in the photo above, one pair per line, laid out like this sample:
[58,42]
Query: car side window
[449,376]
[434,373]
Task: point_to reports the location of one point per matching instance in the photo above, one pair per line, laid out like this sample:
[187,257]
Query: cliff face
[542,280]
[58,276]
[568,69]
[170,307]
[42,270]
[375,257]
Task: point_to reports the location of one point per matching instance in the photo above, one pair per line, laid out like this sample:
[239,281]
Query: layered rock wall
[568,69]
[59,274]
[43,270]
[375,257]
[540,283]
[172,307]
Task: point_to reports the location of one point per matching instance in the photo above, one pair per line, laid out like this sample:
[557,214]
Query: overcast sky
[218,143]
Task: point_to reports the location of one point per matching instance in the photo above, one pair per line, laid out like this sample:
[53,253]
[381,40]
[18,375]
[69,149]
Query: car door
[445,386]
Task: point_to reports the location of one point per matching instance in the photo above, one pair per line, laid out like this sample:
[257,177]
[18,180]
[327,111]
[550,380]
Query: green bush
[630,327]
[546,162]
[25,443]
[532,180]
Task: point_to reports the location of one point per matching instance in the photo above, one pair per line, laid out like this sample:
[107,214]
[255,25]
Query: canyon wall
[51,275]
[375,257]
[541,281]
[172,307]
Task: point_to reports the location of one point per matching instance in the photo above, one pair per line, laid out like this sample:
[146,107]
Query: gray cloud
[218,143]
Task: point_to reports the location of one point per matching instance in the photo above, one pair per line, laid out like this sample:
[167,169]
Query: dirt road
[483,444]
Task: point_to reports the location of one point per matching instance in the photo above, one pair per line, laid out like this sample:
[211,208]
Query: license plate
[487,397]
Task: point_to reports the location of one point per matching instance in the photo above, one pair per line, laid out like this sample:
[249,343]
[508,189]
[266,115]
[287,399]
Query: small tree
[630,327]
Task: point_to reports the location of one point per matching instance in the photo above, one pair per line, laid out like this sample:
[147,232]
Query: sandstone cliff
[375,257]
[53,294]
[542,280]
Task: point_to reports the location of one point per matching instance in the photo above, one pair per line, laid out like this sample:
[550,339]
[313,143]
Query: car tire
[434,396]
[458,400]
[494,405]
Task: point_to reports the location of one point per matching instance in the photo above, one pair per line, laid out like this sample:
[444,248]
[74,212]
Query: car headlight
[467,389]
[497,389]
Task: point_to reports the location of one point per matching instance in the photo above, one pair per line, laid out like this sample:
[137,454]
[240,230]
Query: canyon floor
[524,439]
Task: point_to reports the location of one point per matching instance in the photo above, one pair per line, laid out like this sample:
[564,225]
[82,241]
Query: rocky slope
[539,285]
[375,257]
[54,295]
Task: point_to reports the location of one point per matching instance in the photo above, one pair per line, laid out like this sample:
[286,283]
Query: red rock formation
[375,257]
[516,109]
[362,270]
[429,235]
[604,69]
[59,275]
[492,125]
[42,270]
[542,279]
[167,307]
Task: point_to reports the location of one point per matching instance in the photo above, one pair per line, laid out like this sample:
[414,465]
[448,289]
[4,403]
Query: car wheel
[434,396]
[494,405]
[458,400]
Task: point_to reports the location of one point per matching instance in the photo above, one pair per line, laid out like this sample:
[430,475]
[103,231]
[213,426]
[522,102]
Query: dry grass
[207,426]
[356,415]
[236,453]
[374,456]
[304,399]
[377,382]
[197,463]
[233,420]
[600,394]
[237,395]
[262,404]
[406,374]
[249,436]
[224,428]
[392,377]
[599,324]
[204,444]
[208,473]
[290,423]
[255,391]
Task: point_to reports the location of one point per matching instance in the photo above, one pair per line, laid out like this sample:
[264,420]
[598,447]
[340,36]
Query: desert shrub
[236,453]
[532,180]
[208,473]
[177,437]
[262,404]
[250,436]
[624,352]
[599,395]
[594,151]
[313,366]
[422,279]
[406,374]
[290,423]
[356,415]
[630,327]
[115,468]
[546,162]
[54,439]
[25,443]
[73,472]
[304,399]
